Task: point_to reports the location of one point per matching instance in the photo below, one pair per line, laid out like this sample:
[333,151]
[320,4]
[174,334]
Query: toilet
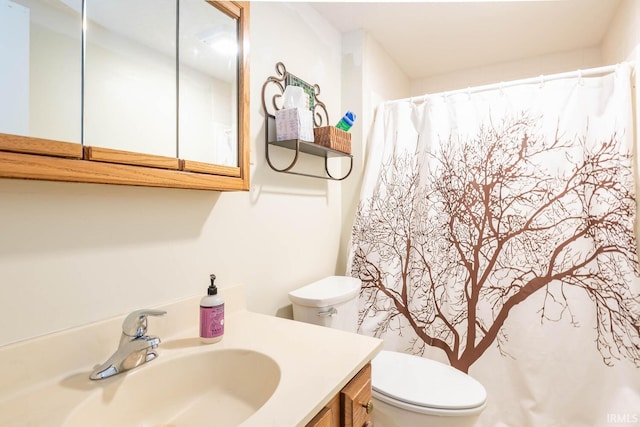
[408,391]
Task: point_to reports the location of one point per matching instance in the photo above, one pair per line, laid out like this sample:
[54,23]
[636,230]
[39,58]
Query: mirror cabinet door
[40,75]
[208,85]
[130,76]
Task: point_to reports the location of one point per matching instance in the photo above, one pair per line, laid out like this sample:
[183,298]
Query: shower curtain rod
[540,79]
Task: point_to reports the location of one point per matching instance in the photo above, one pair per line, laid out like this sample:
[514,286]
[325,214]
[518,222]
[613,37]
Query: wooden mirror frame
[26,157]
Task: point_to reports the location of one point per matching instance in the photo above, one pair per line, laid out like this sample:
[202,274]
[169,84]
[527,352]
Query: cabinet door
[208,83]
[356,400]
[323,419]
[40,77]
[329,416]
[130,76]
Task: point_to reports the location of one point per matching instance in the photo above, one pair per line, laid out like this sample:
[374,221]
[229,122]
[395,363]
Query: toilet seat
[425,386]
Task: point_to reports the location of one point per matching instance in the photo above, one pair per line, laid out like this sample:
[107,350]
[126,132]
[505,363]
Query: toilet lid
[424,382]
[328,291]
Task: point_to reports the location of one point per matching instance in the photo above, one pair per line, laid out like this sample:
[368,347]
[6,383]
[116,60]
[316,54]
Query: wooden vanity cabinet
[351,407]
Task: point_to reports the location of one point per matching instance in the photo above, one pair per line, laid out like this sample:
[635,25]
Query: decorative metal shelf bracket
[273,88]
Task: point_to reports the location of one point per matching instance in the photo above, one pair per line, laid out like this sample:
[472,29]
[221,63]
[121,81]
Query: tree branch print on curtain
[451,242]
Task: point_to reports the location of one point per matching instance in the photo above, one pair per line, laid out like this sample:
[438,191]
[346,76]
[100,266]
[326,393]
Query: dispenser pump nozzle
[213,290]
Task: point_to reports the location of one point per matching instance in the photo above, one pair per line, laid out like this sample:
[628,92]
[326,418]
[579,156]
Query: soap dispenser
[211,314]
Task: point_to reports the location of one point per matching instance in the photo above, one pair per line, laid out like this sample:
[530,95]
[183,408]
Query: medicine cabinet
[150,93]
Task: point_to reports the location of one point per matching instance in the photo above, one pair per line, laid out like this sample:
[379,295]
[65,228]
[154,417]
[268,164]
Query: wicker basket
[334,138]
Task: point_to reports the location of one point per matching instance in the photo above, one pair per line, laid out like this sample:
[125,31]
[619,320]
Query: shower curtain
[495,233]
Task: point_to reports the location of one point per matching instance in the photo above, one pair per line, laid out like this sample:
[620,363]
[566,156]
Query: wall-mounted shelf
[277,84]
[300,146]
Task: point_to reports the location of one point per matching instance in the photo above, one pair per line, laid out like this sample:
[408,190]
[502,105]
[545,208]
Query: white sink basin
[214,388]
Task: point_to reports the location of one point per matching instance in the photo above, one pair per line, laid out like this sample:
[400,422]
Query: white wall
[622,41]
[507,71]
[76,253]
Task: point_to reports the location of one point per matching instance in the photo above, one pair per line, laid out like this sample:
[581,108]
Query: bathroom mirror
[40,69]
[155,104]
[208,85]
[130,76]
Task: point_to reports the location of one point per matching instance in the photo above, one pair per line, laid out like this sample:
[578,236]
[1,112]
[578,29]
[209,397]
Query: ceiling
[436,37]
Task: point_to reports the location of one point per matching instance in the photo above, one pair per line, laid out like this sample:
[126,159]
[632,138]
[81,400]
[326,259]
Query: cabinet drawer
[356,399]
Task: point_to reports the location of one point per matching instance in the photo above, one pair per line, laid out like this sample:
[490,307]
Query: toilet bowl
[407,390]
[413,391]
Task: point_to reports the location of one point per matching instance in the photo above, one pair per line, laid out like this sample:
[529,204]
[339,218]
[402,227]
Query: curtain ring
[541,81]
[580,80]
[469,93]
[501,88]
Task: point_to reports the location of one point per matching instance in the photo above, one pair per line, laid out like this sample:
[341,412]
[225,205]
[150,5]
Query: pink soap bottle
[211,315]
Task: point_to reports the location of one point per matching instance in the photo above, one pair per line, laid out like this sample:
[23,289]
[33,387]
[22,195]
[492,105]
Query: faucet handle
[135,324]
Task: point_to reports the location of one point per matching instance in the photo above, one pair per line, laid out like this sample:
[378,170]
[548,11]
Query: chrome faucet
[135,348]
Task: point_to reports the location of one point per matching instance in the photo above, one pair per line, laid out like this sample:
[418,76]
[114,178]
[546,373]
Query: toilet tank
[331,302]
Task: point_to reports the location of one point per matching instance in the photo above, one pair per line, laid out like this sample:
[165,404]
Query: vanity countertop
[45,378]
